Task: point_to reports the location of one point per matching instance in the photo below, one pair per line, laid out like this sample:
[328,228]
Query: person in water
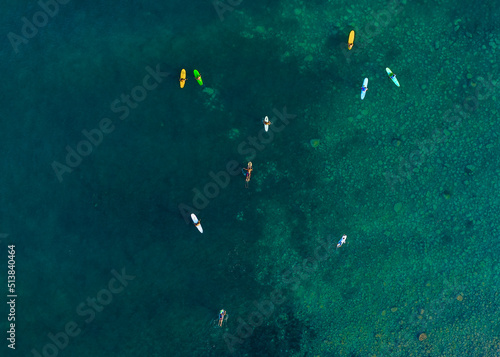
[222,317]
[248,173]
[341,241]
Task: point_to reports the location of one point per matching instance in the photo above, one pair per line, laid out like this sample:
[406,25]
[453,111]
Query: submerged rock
[209,91]
[314,143]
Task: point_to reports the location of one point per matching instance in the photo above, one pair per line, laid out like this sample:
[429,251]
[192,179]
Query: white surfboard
[197,222]
[365,85]
[266,123]
[392,76]
[341,241]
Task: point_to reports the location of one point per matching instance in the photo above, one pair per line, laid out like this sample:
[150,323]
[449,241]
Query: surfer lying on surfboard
[350,43]
[392,76]
[196,222]
[248,173]
[222,317]
[341,241]
[266,122]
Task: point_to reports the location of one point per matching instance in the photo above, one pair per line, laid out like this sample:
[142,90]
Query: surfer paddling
[197,75]
[248,173]
[341,241]
[196,222]
[364,88]
[350,43]
[222,316]
[392,76]
[266,122]
[182,78]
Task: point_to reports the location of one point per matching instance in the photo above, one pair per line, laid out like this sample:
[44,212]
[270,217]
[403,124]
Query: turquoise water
[104,158]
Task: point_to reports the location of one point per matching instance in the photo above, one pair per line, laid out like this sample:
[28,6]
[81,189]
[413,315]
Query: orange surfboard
[351,40]
[182,80]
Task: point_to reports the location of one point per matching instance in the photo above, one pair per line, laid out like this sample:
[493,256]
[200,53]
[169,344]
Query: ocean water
[104,157]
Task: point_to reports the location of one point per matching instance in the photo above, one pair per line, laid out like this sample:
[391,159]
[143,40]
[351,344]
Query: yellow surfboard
[182,80]
[351,40]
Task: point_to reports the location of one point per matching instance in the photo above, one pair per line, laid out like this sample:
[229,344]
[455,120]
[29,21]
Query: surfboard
[341,241]
[198,77]
[266,126]
[183,76]
[394,79]
[365,85]
[196,222]
[350,43]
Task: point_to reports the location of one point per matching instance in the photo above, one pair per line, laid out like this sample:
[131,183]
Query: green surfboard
[198,77]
